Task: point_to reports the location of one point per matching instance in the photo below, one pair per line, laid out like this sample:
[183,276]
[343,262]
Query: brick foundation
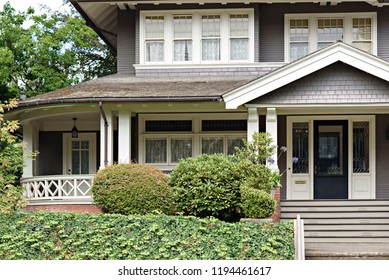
[69,208]
[277,213]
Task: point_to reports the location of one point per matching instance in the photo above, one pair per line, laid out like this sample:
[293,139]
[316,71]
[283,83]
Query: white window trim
[197,134]
[312,19]
[196,36]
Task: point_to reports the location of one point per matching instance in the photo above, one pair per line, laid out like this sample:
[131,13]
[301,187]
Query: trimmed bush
[256,203]
[209,185]
[132,189]
[69,236]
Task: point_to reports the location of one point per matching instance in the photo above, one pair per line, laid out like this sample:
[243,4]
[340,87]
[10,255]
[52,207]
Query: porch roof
[124,88]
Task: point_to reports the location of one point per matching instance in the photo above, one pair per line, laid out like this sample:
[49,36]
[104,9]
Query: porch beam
[252,123]
[271,128]
[124,128]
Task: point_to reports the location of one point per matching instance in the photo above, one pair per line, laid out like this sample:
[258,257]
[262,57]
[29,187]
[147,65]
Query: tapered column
[271,128]
[106,139]
[28,138]
[252,123]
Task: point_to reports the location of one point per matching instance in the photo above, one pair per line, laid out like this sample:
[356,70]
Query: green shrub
[208,186]
[69,236]
[256,203]
[132,189]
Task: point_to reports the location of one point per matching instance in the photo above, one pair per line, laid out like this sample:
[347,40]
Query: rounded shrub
[209,185]
[256,203]
[132,189]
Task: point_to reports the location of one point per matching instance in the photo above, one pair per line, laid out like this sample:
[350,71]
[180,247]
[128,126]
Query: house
[198,76]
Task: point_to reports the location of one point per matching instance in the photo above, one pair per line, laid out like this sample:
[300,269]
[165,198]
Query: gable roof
[309,64]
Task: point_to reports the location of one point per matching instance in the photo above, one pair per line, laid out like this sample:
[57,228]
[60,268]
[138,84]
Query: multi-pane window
[308,33]
[300,152]
[221,144]
[198,37]
[329,30]
[154,38]
[80,157]
[299,38]
[362,34]
[239,37]
[210,37]
[182,26]
[167,149]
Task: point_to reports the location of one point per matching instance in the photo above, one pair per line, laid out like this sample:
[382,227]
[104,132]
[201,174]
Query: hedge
[69,236]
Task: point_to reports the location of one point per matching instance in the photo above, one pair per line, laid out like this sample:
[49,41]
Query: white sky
[22,5]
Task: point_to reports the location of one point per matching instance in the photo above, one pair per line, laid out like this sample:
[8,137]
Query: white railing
[62,187]
[299,245]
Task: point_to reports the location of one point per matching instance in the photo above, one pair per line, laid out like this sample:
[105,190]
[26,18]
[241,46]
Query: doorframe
[309,178]
[66,152]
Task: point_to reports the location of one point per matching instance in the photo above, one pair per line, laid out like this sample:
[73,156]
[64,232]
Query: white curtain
[183,50]
[156,150]
[239,49]
[211,49]
[154,51]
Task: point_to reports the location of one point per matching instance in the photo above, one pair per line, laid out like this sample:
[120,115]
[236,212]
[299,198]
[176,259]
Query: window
[210,37]
[154,35]
[165,141]
[182,38]
[361,147]
[239,37]
[202,36]
[308,33]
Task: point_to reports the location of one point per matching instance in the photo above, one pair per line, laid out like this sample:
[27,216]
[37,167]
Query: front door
[80,154]
[330,159]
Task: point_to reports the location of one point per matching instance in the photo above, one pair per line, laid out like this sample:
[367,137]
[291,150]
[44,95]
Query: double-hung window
[154,38]
[182,37]
[308,33]
[197,36]
[210,37]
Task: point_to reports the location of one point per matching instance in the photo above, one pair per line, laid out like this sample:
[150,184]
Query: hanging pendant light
[74,129]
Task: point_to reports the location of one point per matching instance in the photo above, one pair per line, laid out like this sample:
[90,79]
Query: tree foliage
[11,162]
[41,53]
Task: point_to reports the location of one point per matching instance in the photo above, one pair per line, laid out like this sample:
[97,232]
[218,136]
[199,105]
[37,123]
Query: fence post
[299,242]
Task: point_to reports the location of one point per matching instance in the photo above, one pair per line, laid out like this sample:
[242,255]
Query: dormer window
[197,37]
[308,33]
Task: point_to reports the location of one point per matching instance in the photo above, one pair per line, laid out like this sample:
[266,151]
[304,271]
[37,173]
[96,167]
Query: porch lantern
[74,129]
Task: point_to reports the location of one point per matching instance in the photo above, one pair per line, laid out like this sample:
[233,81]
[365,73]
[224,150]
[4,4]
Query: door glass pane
[85,162]
[75,145]
[212,145]
[300,153]
[84,144]
[75,162]
[361,147]
[156,150]
[180,148]
[330,151]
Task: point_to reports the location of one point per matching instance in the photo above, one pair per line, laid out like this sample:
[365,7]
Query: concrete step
[346,227]
[316,203]
[349,221]
[343,234]
[335,215]
[337,209]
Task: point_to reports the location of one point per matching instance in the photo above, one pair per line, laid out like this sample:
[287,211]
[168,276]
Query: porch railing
[62,187]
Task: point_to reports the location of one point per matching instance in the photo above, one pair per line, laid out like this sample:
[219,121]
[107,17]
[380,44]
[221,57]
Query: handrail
[55,187]
[299,242]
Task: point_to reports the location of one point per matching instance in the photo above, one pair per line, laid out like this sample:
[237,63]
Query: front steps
[342,229]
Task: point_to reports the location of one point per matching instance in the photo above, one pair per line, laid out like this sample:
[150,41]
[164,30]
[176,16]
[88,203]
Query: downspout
[105,134]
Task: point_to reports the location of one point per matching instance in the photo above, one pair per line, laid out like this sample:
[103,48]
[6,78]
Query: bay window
[308,33]
[202,36]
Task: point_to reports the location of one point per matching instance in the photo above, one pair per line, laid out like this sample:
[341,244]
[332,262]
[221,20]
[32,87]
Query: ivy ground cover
[63,236]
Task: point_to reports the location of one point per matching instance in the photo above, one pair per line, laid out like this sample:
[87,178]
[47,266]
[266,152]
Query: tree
[41,53]
[11,162]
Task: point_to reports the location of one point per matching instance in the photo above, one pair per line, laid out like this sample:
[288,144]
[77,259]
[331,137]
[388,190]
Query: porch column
[252,123]
[124,128]
[271,127]
[106,139]
[28,137]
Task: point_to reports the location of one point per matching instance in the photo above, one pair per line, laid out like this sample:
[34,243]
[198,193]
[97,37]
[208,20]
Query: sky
[22,5]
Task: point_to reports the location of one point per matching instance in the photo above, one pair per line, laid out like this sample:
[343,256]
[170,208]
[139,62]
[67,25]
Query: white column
[28,137]
[124,128]
[106,155]
[271,128]
[252,123]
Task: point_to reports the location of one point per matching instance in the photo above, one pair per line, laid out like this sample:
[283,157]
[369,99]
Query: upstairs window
[239,37]
[308,33]
[210,37]
[182,38]
[154,35]
[197,36]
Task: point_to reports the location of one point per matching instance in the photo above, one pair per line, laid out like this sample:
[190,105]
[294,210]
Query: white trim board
[309,64]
